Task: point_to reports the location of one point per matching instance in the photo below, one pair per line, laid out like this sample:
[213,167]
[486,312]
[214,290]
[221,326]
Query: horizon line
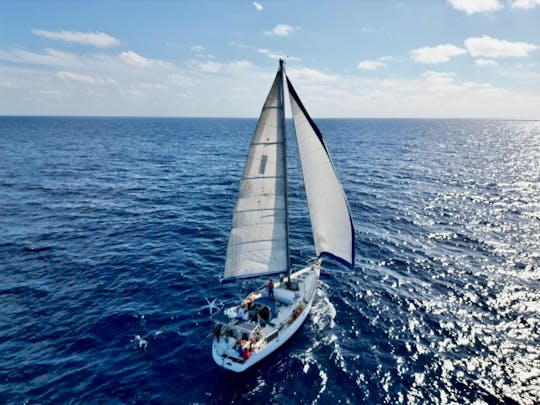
[254,118]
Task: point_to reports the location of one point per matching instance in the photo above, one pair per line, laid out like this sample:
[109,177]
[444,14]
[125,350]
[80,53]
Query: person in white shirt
[242,313]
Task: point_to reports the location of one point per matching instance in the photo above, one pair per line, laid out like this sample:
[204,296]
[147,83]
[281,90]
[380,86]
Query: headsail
[259,243]
[331,222]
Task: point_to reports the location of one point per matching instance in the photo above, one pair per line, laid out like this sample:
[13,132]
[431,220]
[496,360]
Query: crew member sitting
[260,321]
[242,313]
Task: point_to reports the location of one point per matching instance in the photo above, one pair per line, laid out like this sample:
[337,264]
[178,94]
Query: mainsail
[331,223]
[259,240]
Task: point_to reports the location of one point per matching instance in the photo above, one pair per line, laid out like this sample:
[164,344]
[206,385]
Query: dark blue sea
[113,234]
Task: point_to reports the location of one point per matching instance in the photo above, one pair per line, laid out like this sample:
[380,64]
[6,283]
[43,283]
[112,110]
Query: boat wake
[323,311]
[324,346]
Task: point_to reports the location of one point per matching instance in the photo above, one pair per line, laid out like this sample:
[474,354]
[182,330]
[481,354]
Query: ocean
[113,234]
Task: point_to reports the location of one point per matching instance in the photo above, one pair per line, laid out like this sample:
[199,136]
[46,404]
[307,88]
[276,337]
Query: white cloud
[277,56]
[527,74]
[197,48]
[437,76]
[311,75]
[525,3]
[199,52]
[51,57]
[258,6]
[224,67]
[436,54]
[370,65]
[180,80]
[485,62]
[135,60]
[281,30]
[476,6]
[86,79]
[497,48]
[270,54]
[98,39]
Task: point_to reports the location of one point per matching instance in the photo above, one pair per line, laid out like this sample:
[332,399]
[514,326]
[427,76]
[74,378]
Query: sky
[362,58]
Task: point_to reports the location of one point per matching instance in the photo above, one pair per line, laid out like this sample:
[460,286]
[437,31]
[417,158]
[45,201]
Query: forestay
[258,243]
[331,223]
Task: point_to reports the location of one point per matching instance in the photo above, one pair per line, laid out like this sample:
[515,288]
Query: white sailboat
[259,239]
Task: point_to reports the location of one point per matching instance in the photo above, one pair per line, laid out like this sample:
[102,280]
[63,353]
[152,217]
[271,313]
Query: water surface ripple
[113,234]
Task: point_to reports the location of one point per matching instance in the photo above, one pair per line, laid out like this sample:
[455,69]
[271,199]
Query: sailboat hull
[292,308]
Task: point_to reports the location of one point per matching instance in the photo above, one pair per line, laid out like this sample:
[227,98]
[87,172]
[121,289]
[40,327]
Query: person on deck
[270,288]
[260,321]
[242,313]
[264,314]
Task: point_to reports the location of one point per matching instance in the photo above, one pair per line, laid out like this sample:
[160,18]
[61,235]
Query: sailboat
[258,245]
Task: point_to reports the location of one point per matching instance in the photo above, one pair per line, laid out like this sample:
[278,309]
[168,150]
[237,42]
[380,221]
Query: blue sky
[385,58]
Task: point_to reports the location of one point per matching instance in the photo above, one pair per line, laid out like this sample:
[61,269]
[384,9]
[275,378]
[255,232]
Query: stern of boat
[289,308]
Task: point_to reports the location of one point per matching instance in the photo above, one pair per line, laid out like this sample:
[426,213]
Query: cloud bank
[97,39]
[476,6]
[525,3]
[497,48]
[135,60]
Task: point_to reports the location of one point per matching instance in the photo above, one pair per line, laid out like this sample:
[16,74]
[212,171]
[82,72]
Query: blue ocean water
[113,233]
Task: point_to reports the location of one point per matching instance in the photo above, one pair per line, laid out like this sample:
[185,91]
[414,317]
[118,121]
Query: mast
[281,109]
